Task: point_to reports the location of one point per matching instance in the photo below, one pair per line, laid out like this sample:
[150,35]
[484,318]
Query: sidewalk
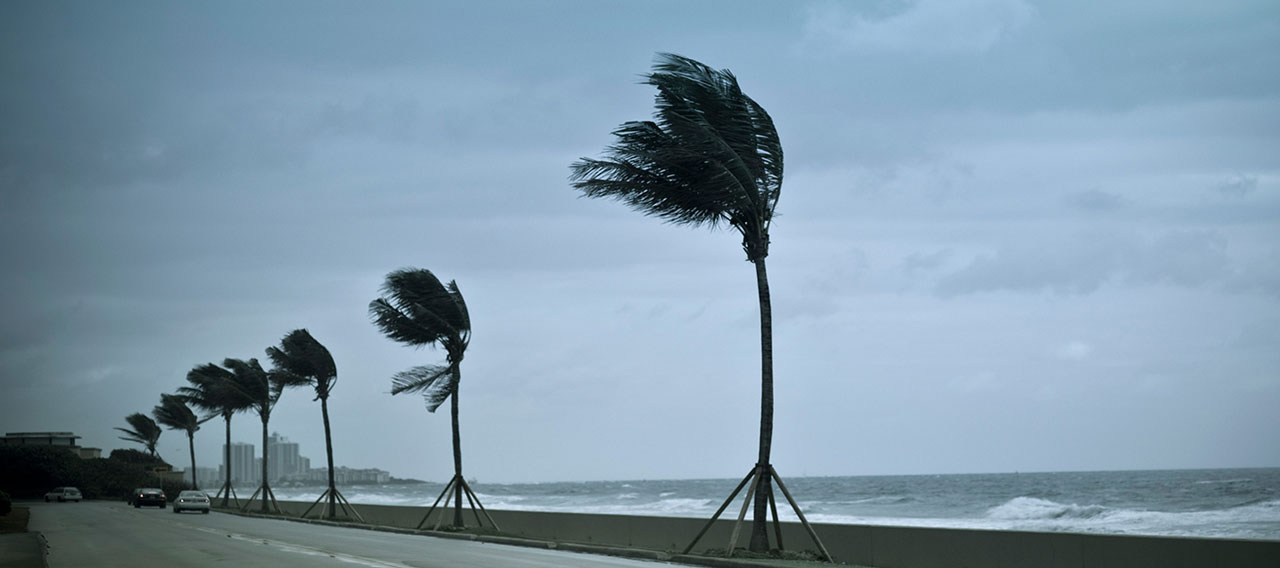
[21,550]
[713,562]
[26,550]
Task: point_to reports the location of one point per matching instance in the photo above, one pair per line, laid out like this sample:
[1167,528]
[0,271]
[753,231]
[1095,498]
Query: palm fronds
[435,382]
[711,156]
[261,387]
[144,431]
[214,390]
[418,309]
[174,413]
[302,356]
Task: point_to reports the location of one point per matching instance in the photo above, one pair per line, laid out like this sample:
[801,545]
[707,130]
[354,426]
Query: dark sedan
[148,496]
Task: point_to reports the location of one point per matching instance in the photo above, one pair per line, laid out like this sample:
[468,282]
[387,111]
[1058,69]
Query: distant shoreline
[392,481]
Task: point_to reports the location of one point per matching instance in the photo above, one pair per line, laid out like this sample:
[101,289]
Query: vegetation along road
[105,533]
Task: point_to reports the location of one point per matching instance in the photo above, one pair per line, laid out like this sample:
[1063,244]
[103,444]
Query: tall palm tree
[213,390]
[302,356]
[263,389]
[419,310]
[145,431]
[174,413]
[711,157]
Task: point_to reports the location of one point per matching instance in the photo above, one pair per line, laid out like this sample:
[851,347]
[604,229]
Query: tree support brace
[455,486]
[268,497]
[227,494]
[753,478]
[336,496]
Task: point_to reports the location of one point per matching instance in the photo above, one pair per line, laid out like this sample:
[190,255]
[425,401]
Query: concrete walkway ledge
[22,550]
[603,550]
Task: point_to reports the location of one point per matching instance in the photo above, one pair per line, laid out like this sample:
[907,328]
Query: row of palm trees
[418,309]
[711,157]
[172,412]
[240,385]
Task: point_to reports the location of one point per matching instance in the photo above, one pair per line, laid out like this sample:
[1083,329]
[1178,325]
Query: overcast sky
[1012,236]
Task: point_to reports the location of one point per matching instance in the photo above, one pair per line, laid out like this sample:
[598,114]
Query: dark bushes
[27,472]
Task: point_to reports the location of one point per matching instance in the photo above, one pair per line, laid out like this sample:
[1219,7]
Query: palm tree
[145,431]
[263,389]
[420,310]
[711,157]
[174,413]
[302,356]
[213,390]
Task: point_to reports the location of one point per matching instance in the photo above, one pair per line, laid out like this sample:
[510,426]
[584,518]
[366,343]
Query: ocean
[1219,503]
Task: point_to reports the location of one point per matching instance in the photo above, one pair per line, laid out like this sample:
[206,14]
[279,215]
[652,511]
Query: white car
[191,501]
[61,494]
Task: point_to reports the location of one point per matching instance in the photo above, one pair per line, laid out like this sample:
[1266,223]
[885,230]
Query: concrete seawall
[879,546]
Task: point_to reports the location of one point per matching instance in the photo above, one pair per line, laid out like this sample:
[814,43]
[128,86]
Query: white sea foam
[1256,520]
[1032,508]
[1223,481]
[883,500]
[1240,504]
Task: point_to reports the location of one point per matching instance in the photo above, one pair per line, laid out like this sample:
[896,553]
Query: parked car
[191,501]
[148,496]
[61,494]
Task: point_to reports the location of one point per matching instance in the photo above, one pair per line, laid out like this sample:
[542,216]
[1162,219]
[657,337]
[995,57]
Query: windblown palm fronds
[174,413]
[215,391]
[144,431]
[709,157]
[419,310]
[301,356]
[263,389]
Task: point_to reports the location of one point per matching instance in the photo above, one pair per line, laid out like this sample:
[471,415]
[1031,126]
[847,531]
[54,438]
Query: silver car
[61,494]
[191,501]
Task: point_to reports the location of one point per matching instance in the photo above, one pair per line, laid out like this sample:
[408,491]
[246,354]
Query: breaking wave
[1032,508]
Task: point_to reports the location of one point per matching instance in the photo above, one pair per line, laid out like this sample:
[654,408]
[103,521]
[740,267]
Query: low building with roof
[57,439]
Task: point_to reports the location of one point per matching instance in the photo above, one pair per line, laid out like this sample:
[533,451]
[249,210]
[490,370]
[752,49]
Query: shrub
[30,471]
[6,504]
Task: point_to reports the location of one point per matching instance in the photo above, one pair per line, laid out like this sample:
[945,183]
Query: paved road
[97,533]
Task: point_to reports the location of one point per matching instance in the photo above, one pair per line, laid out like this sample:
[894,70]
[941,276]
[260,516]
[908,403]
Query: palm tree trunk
[191,447]
[759,532]
[265,500]
[457,449]
[226,494]
[328,449]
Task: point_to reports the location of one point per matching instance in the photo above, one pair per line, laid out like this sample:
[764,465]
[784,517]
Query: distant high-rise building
[208,477]
[283,458]
[242,465]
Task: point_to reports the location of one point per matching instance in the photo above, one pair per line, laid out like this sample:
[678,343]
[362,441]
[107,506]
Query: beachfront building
[285,463]
[244,466]
[348,476]
[207,476]
[342,476]
[56,439]
[283,458]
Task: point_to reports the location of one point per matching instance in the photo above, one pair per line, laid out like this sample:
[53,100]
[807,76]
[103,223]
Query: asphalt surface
[106,534]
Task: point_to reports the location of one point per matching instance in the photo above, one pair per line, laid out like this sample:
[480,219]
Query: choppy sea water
[1223,503]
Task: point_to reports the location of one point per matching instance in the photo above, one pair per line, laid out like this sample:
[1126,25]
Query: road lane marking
[305,550]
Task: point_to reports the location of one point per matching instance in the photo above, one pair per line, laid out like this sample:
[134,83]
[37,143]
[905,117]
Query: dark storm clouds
[1012,236]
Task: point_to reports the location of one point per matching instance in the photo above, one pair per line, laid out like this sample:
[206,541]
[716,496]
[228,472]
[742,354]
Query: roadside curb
[617,551]
[44,549]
